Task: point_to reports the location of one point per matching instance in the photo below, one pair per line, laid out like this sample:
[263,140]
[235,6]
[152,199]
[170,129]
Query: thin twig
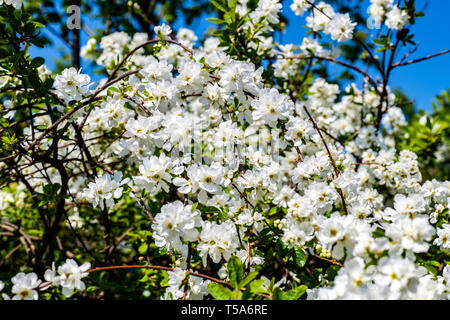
[332,261]
[400,64]
[336,170]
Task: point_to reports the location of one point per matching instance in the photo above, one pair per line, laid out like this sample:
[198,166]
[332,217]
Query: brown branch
[243,196]
[336,170]
[139,104]
[188,267]
[400,64]
[300,155]
[341,63]
[158,268]
[332,261]
[143,206]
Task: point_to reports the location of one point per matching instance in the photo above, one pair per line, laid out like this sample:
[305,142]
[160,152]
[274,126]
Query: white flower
[340,27]
[209,178]
[68,276]
[155,173]
[411,234]
[394,118]
[271,106]
[428,288]
[24,286]
[72,85]
[249,218]
[75,220]
[321,195]
[197,287]
[283,196]
[104,190]
[319,19]
[444,237]
[396,272]
[299,130]
[192,76]
[175,290]
[186,37]
[155,71]
[89,49]
[217,241]
[174,224]
[300,6]
[411,205]
[397,18]
[163,30]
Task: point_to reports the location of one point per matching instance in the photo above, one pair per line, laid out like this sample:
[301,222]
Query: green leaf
[235,271]
[143,248]
[247,294]
[273,210]
[51,189]
[248,279]
[332,272]
[232,5]
[38,24]
[47,85]
[223,216]
[380,42]
[34,80]
[278,294]
[232,9]
[215,20]
[115,89]
[18,14]
[295,294]
[219,292]
[299,257]
[40,43]
[255,286]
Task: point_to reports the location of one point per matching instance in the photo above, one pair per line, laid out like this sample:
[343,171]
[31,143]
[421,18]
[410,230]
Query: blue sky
[421,81]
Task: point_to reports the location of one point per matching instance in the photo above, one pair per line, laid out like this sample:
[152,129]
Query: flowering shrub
[230,170]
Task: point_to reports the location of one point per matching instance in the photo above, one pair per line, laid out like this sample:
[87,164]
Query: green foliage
[293,294]
[232,36]
[300,257]
[19,30]
[247,287]
[428,135]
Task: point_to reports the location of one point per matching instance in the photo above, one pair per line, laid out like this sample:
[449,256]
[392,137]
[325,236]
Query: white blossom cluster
[104,190]
[198,288]
[393,278]
[323,18]
[72,85]
[384,11]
